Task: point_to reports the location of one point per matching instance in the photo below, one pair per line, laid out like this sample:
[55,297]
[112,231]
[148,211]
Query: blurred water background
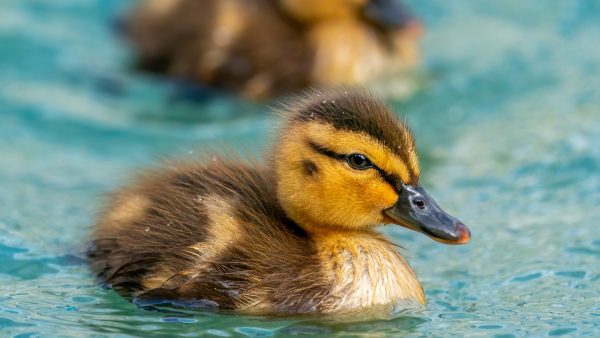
[507,120]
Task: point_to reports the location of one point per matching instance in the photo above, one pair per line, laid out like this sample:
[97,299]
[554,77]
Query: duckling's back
[246,46]
[207,232]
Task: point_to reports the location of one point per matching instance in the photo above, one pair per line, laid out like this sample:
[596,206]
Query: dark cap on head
[356,110]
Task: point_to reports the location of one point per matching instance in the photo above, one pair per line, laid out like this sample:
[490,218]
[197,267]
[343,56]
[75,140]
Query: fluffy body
[292,234]
[217,233]
[262,48]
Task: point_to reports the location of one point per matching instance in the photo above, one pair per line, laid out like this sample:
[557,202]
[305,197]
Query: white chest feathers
[367,272]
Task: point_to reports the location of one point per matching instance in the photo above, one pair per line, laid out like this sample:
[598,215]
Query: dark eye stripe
[325,151]
[391,179]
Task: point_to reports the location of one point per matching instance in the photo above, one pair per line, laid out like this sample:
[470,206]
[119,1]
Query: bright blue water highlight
[507,122]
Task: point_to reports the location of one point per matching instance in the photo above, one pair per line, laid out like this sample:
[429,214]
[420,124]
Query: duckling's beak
[391,14]
[416,210]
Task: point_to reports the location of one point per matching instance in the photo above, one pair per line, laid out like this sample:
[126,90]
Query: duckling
[294,232]
[264,48]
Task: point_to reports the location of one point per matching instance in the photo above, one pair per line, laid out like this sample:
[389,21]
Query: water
[507,124]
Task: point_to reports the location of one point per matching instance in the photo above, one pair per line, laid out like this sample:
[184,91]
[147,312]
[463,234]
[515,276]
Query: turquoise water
[507,121]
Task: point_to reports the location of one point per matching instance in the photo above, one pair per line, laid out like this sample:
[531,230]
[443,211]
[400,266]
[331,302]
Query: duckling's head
[345,162]
[391,14]
[356,40]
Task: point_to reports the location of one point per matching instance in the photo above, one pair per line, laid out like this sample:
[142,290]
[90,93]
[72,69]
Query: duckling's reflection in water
[294,233]
[298,324]
[263,48]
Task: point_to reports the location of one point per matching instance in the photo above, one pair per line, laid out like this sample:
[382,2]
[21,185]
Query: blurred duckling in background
[263,48]
[292,233]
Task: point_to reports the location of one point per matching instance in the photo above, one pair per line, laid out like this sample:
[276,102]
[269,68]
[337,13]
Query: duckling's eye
[359,161]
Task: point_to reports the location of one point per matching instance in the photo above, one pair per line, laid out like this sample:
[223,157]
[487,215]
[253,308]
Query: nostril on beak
[420,203]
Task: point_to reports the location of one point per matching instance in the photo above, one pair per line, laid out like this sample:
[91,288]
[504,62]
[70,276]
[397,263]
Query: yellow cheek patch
[332,193]
[348,142]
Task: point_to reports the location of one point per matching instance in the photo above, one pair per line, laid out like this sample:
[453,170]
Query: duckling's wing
[285,283]
[118,271]
[196,293]
[213,234]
